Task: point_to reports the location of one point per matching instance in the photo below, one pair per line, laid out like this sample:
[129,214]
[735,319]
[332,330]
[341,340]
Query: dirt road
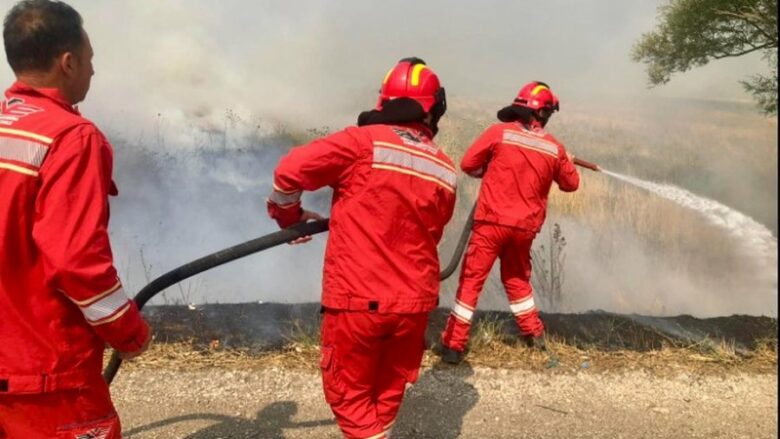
[462,402]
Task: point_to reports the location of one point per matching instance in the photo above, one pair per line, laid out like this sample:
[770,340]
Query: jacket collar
[52,94]
[418,126]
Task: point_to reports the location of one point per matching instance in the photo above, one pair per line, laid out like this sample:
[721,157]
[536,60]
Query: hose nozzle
[586,164]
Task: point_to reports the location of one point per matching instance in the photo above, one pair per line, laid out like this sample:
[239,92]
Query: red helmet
[411,78]
[537,95]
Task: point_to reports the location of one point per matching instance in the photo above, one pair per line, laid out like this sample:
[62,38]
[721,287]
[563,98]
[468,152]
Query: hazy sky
[319,63]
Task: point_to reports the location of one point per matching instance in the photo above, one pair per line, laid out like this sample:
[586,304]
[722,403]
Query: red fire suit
[60,298]
[394,190]
[517,165]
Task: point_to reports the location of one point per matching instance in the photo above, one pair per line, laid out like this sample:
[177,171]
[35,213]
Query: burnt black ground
[263,326]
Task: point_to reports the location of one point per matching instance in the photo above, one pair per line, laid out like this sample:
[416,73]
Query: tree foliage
[691,33]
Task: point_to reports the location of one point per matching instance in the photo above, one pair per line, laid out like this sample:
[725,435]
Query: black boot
[537,342]
[450,356]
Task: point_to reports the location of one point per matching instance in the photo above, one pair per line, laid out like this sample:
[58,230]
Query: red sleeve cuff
[128,333]
[285,216]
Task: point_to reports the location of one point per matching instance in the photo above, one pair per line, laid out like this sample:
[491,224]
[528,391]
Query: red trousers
[367,360]
[513,247]
[83,413]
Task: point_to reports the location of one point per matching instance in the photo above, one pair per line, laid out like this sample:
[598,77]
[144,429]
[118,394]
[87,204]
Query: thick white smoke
[198,96]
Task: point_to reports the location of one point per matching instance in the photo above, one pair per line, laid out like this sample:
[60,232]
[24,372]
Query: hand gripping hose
[264,243]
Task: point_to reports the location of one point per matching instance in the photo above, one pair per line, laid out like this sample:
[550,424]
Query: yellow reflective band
[387,76]
[416,73]
[27,134]
[537,89]
[18,169]
[414,174]
[418,153]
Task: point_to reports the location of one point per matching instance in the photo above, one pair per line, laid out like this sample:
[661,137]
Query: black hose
[263,243]
[211,261]
[250,247]
[464,238]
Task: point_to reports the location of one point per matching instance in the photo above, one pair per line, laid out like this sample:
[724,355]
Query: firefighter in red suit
[394,190]
[518,161]
[60,298]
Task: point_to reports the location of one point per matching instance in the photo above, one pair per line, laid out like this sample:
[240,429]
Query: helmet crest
[411,78]
[537,95]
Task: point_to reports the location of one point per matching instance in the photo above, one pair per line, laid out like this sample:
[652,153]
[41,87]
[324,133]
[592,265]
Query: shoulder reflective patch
[518,138]
[415,163]
[428,155]
[22,150]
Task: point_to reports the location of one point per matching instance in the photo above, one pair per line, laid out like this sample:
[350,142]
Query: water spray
[264,243]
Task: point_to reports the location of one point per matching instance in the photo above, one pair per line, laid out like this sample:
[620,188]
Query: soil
[250,371]
[452,402]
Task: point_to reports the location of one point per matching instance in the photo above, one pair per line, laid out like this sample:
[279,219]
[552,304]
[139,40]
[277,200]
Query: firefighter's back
[43,332]
[386,222]
[517,181]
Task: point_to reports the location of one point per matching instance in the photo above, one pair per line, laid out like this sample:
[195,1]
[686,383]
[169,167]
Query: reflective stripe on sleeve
[284,199]
[107,308]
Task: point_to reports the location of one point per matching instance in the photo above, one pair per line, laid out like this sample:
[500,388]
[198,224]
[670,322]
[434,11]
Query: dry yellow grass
[689,146]
[499,353]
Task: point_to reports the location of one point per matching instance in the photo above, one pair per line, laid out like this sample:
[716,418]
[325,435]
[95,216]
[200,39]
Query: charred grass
[492,347]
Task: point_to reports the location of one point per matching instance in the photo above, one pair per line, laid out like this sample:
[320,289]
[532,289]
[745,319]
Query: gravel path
[460,402]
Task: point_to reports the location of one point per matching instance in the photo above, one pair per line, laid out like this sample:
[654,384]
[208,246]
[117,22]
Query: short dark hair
[35,32]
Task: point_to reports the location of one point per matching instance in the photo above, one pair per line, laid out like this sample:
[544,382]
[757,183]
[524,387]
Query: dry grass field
[622,239]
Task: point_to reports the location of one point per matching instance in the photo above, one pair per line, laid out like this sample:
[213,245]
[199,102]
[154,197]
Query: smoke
[756,239]
[318,64]
[176,206]
[201,98]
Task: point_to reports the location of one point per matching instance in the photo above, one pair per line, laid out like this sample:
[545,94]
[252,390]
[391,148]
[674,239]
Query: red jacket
[394,190]
[60,298]
[517,166]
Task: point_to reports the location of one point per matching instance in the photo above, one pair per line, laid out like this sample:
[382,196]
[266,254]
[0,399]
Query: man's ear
[67,63]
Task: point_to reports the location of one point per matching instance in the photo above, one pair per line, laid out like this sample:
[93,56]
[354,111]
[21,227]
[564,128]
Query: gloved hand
[139,351]
[306,216]
[285,216]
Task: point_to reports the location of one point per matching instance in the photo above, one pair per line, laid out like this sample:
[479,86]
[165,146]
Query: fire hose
[264,243]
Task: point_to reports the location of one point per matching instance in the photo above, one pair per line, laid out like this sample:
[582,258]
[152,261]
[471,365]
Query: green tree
[691,33]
